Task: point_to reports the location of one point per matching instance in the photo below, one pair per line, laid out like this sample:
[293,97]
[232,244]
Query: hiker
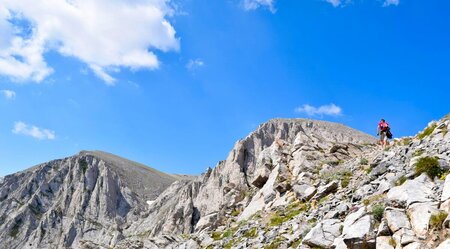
[382,131]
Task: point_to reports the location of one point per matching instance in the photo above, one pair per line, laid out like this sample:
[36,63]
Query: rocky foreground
[293,183]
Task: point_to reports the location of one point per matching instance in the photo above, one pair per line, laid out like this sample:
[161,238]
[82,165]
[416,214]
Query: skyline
[174,84]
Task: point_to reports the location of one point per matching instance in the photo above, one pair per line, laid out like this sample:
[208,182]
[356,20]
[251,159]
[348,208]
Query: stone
[396,219]
[446,191]
[383,229]
[304,192]
[444,245]
[419,215]
[385,242]
[404,236]
[325,190]
[358,229]
[324,233]
[413,245]
[261,177]
[412,191]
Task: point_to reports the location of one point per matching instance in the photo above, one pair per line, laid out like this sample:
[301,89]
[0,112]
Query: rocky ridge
[293,183]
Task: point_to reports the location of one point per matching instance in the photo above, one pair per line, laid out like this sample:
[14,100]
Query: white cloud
[9,94]
[391,2]
[254,4]
[194,64]
[33,131]
[337,3]
[330,110]
[104,34]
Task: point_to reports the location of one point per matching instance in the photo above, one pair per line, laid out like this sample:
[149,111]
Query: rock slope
[292,183]
[64,203]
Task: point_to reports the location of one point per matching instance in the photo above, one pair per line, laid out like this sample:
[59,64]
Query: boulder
[261,177]
[404,236]
[304,192]
[412,191]
[325,190]
[396,219]
[446,191]
[385,242]
[324,233]
[444,245]
[358,229]
[419,215]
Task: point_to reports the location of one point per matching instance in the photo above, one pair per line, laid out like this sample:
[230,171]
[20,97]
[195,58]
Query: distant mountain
[89,196]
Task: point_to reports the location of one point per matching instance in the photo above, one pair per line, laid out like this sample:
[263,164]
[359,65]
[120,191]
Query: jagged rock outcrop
[293,183]
[75,201]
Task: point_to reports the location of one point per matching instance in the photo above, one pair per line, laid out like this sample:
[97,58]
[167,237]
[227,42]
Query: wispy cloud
[194,64]
[391,2]
[33,131]
[9,94]
[329,110]
[337,3]
[102,34]
[255,4]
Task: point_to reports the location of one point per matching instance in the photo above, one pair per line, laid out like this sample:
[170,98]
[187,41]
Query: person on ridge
[383,128]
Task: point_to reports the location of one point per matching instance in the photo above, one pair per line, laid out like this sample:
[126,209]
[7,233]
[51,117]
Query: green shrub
[378,211]
[392,242]
[427,131]
[216,235]
[364,161]
[436,220]
[15,228]
[400,180]
[83,165]
[429,165]
[236,212]
[418,152]
[252,233]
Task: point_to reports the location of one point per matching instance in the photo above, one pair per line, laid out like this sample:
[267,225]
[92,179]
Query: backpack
[389,133]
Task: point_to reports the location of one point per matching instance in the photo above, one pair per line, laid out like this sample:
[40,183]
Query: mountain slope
[309,184]
[89,196]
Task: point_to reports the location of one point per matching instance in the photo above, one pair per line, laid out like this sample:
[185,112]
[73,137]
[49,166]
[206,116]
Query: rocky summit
[292,183]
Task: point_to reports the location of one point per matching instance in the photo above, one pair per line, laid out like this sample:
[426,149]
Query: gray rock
[446,191]
[324,233]
[412,191]
[358,229]
[304,192]
[396,219]
[419,215]
[384,242]
[325,190]
[444,245]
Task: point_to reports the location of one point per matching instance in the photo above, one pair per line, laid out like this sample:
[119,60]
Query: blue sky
[173,84]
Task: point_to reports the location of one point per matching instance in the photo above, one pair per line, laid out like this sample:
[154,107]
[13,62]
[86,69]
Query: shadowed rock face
[90,196]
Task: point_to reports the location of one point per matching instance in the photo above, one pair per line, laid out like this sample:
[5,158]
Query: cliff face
[293,183]
[86,197]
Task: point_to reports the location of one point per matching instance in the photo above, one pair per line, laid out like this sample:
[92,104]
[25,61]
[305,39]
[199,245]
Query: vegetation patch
[292,210]
[429,165]
[15,228]
[378,211]
[364,161]
[400,180]
[436,220]
[428,131]
[83,165]
[392,242]
[418,152]
[236,212]
[275,244]
[251,233]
